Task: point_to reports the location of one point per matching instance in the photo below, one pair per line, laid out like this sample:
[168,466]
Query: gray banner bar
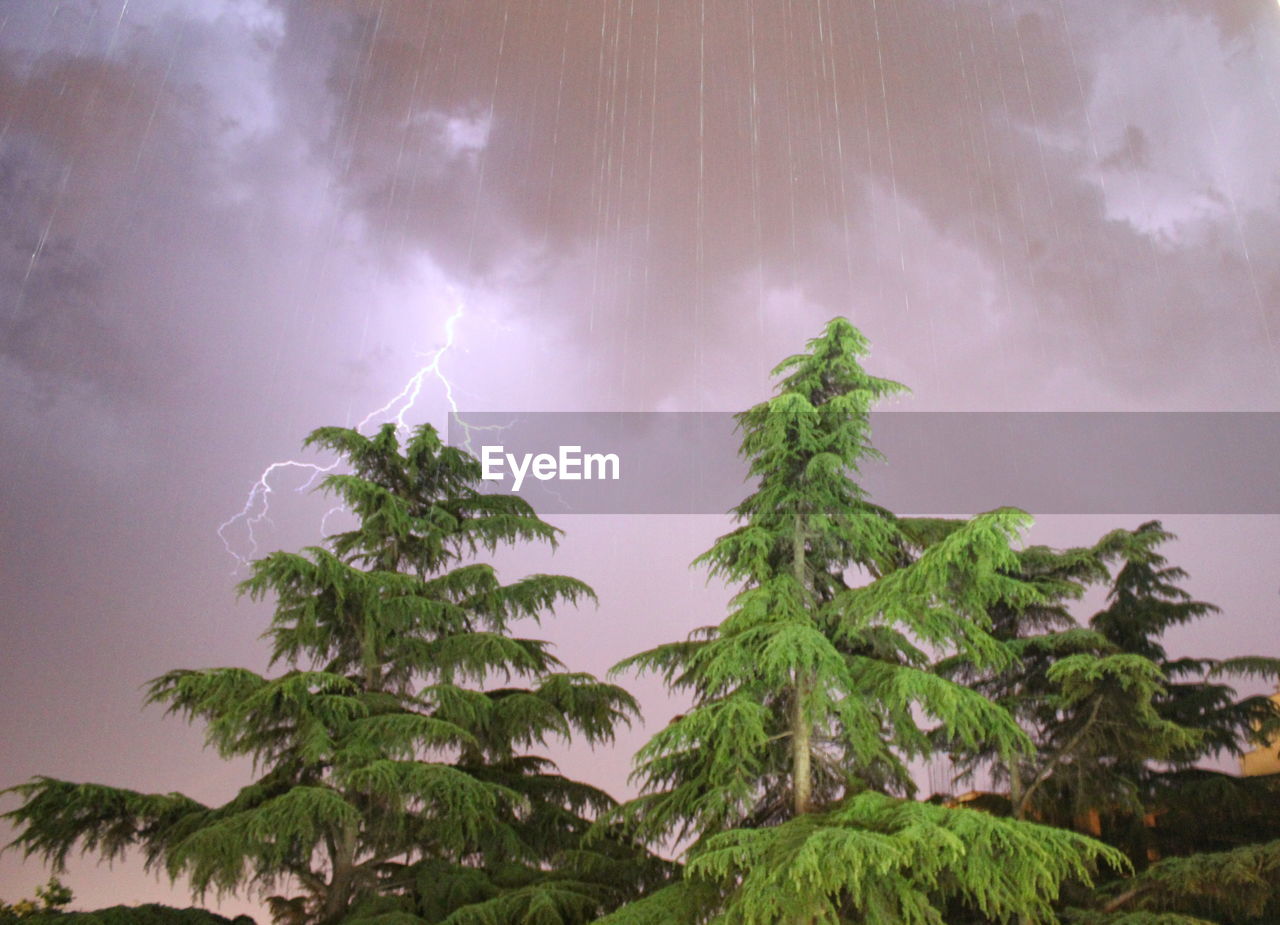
[935,462]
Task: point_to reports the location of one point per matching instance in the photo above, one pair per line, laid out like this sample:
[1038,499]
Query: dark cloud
[53,331]
[681,160]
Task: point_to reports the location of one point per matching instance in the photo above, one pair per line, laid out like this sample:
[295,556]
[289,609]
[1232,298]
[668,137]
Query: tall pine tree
[395,772]
[788,776]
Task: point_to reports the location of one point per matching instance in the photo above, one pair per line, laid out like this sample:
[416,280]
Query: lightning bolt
[408,396]
[257,505]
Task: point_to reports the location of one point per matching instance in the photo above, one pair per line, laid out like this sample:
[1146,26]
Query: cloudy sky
[226,223]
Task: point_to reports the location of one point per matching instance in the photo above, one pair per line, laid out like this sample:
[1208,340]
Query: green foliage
[47,909]
[1241,885]
[393,743]
[1144,602]
[878,858]
[1104,702]
[812,695]
[1119,728]
[50,898]
[150,914]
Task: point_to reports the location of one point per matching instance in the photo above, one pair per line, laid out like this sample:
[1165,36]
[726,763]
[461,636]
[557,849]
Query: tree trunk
[801,733]
[1016,800]
[801,744]
[337,900]
[1019,807]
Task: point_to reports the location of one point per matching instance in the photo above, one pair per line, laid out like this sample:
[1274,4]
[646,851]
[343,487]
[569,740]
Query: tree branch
[1044,773]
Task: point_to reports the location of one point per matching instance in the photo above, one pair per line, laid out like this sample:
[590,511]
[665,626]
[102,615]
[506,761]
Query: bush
[150,914]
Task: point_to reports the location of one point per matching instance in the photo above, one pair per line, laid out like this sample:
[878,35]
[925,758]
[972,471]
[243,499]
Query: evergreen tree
[1084,700]
[394,773]
[812,696]
[1121,731]
[1212,838]
[1144,602]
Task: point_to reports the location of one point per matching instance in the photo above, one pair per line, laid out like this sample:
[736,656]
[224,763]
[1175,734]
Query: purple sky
[226,223]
